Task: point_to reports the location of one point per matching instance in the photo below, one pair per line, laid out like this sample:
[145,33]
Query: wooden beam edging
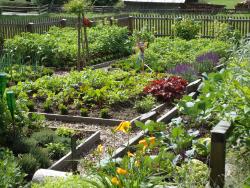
[165,118]
[80,119]
[65,161]
[219,134]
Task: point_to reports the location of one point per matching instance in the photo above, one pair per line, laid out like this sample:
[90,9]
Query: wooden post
[73,154]
[30,27]
[218,154]
[63,23]
[130,24]
[111,21]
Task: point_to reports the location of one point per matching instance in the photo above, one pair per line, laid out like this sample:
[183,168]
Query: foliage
[10,173]
[186,29]
[225,32]
[105,113]
[104,2]
[167,89]
[202,146]
[186,71]
[84,112]
[63,109]
[58,47]
[65,131]
[90,88]
[42,156]
[225,95]
[56,150]
[145,104]
[28,163]
[164,54]
[192,174]
[44,137]
[76,6]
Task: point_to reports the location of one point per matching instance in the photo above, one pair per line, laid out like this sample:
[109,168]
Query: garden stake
[3,82]
[12,107]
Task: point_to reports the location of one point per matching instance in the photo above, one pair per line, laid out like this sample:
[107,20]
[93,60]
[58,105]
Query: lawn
[228,3]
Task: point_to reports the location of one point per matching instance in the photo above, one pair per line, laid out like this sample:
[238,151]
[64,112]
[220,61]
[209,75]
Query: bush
[44,137]
[186,29]
[145,105]
[42,156]
[105,113]
[10,173]
[63,109]
[28,164]
[84,112]
[31,105]
[56,150]
[23,145]
[65,131]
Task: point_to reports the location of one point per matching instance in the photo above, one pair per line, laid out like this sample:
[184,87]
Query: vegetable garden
[139,114]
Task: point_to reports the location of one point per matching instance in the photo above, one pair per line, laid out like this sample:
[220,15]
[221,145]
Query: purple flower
[211,57]
[182,69]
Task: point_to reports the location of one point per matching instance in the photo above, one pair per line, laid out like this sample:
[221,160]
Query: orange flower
[123,126]
[152,140]
[115,181]
[121,171]
[130,154]
[143,142]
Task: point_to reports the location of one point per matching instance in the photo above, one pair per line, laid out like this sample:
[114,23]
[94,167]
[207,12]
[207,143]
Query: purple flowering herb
[184,70]
[210,56]
[206,62]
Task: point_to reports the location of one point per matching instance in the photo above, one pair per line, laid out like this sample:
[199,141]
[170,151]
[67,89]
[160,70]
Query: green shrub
[145,105]
[58,47]
[63,109]
[186,29]
[105,113]
[56,150]
[28,164]
[31,105]
[42,156]
[65,131]
[84,112]
[23,145]
[48,106]
[10,173]
[44,137]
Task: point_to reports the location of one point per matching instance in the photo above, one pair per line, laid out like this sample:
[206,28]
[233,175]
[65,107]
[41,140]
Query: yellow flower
[123,126]
[115,181]
[143,142]
[152,140]
[121,171]
[137,163]
[130,154]
[100,148]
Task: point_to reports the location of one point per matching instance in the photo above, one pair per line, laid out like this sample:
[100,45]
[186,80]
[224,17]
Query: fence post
[218,154]
[130,24]
[30,27]
[63,23]
[111,21]
[73,154]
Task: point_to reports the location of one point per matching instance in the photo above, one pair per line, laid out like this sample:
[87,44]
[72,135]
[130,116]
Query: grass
[228,3]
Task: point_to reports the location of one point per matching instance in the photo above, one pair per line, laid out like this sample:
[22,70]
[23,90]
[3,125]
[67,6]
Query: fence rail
[161,25]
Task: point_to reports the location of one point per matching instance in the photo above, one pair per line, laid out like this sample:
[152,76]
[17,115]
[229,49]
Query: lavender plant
[206,62]
[186,71]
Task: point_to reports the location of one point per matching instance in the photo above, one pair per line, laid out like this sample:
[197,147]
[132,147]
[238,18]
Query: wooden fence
[40,9]
[162,25]
[11,26]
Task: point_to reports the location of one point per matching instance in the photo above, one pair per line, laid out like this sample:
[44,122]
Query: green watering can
[11,102]
[3,82]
